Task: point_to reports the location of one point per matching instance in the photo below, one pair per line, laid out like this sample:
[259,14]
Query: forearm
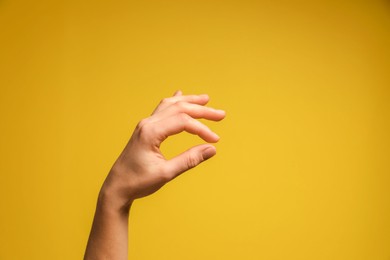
[109,233]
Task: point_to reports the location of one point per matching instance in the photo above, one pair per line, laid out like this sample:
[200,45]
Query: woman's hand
[141,169]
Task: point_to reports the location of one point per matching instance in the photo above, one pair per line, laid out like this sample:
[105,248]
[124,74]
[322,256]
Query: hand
[141,168]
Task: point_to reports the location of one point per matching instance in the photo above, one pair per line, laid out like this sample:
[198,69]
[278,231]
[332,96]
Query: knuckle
[185,118]
[193,160]
[146,130]
[166,101]
[142,123]
[181,105]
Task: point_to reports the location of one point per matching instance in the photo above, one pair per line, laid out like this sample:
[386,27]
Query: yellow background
[303,168]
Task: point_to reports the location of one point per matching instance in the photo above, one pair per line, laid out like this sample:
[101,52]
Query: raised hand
[141,168]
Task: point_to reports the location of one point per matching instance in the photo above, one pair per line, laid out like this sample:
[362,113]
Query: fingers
[189,159]
[178,123]
[178,93]
[193,110]
[178,97]
[178,116]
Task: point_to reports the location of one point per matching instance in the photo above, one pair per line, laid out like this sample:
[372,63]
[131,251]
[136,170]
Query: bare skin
[141,169]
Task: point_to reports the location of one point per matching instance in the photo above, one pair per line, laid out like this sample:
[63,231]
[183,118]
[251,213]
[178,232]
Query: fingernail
[219,111]
[208,153]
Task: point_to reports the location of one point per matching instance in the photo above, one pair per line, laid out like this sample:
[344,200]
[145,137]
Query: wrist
[109,200]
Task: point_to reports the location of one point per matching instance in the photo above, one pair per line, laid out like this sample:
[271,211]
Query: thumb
[189,159]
